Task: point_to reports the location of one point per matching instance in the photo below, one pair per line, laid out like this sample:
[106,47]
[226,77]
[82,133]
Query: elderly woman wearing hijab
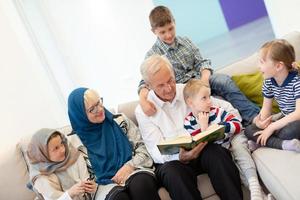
[57,170]
[119,159]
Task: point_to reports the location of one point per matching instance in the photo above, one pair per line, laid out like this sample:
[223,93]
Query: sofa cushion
[128,109]
[13,176]
[251,86]
[279,170]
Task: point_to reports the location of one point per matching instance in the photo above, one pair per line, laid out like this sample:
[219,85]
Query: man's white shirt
[168,121]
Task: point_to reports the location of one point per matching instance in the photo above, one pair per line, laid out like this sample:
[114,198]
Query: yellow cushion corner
[251,86]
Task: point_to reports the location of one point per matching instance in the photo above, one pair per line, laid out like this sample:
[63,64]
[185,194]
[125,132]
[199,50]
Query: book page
[213,128]
[177,140]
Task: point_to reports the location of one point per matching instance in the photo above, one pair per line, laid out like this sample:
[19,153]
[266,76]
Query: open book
[171,146]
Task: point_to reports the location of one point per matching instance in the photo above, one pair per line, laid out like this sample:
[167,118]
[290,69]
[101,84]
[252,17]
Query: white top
[78,171]
[168,121]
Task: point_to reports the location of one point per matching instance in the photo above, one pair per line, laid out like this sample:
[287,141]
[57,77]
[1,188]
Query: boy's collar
[167,47]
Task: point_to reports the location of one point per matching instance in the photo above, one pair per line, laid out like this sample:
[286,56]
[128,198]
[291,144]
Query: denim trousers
[222,85]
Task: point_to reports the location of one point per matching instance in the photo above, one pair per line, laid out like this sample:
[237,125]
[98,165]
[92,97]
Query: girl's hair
[281,50]
[192,87]
[160,16]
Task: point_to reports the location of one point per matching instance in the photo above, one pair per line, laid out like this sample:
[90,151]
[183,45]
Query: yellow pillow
[251,86]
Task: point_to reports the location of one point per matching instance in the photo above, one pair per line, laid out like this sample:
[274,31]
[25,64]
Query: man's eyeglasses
[95,108]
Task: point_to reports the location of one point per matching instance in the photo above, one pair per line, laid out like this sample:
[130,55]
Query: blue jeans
[222,85]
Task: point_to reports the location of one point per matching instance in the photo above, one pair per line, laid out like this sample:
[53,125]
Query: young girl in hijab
[119,159]
[57,170]
[282,83]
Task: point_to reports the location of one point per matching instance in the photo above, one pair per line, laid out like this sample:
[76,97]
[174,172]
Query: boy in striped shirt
[203,114]
[197,97]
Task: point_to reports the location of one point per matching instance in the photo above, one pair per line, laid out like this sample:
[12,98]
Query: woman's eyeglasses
[95,108]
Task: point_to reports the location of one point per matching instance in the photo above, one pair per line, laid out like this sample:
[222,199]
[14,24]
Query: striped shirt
[184,56]
[286,94]
[217,115]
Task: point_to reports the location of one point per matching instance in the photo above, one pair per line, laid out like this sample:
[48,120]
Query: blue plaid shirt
[184,56]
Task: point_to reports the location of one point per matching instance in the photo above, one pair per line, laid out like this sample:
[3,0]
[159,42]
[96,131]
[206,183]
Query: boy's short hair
[160,16]
[192,87]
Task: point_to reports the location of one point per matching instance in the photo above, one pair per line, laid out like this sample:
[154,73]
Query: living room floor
[238,43]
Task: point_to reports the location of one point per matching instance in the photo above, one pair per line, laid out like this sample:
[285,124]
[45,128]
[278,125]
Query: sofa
[277,169]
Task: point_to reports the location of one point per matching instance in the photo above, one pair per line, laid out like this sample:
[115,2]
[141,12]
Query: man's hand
[202,120]
[122,174]
[262,123]
[186,156]
[147,106]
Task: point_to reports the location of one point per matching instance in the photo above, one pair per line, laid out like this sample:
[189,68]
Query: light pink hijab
[39,158]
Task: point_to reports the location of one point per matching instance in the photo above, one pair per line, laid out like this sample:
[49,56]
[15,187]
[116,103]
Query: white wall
[102,42]
[28,100]
[97,44]
[284,16]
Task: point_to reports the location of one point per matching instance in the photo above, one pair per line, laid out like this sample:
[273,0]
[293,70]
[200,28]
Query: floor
[238,43]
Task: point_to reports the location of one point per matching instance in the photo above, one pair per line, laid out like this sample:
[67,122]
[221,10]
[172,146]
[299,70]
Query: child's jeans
[222,85]
[288,132]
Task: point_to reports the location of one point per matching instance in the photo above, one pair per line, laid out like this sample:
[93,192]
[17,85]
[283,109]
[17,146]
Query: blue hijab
[108,147]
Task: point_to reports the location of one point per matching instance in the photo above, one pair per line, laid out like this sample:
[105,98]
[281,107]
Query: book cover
[172,146]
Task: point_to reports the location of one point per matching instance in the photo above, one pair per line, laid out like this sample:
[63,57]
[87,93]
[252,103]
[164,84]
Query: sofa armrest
[14,176]
[278,170]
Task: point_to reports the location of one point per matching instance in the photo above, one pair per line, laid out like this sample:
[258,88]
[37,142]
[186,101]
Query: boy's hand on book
[186,156]
[202,119]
